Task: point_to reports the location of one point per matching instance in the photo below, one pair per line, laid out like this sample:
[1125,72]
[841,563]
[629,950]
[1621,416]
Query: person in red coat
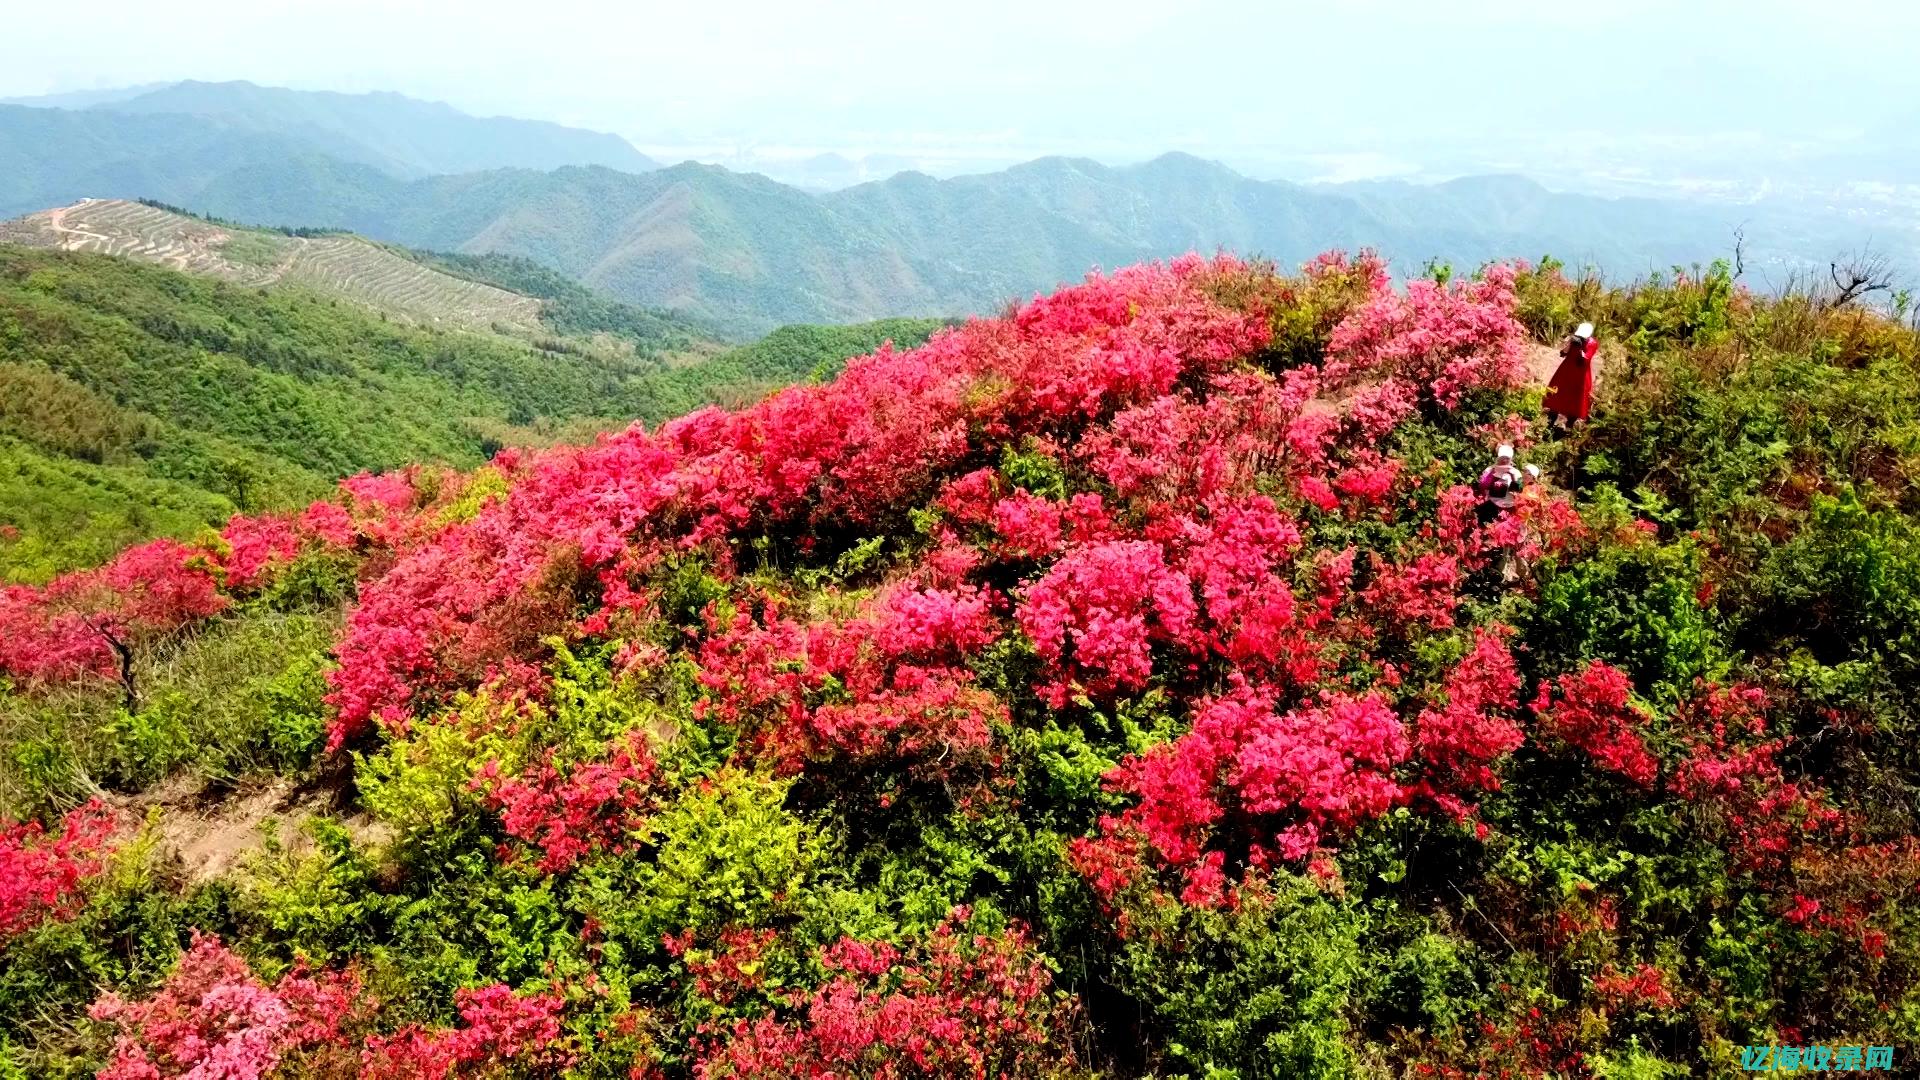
[1570,393]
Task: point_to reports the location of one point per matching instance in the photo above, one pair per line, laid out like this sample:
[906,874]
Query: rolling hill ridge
[743,250]
[495,294]
[394,133]
[745,253]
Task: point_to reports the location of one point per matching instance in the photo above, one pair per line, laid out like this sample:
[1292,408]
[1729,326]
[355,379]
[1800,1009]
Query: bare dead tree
[122,649]
[1739,250]
[1860,275]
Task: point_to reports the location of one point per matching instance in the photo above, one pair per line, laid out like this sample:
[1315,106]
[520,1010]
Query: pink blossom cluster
[1731,772]
[569,812]
[256,545]
[214,1020]
[369,512]
[965,1004]
[501,1033]
[1590,709]
[1289,780]
[1446,340]
[1100,609]
[900,690]
[1459,739]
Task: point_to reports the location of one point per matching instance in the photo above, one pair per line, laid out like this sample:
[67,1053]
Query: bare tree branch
[1862,275]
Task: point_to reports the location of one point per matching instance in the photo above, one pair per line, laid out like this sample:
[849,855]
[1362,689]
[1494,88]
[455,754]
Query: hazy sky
[1369,81]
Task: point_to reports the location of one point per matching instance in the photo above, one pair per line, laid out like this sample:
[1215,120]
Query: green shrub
[422,785]
[1635,1063]
[723,852]
[1636,605]
[1846,584]
[324,905]
[1263,990]
[149,743]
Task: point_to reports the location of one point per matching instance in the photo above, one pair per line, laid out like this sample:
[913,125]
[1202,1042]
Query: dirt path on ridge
[57,221]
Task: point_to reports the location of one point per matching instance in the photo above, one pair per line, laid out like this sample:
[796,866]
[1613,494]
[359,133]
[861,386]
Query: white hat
[1503,450]
[1584,332]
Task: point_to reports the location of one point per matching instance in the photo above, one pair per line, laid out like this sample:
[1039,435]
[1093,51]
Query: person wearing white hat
[1570,391]
[1500,485]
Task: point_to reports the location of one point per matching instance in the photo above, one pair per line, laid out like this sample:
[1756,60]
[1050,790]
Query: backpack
[1498,485]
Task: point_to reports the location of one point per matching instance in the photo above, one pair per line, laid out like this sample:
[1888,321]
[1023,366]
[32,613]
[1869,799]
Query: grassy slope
[142,402]
[69,512]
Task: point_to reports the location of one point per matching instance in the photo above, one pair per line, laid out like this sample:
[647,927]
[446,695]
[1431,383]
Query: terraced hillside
[337,264]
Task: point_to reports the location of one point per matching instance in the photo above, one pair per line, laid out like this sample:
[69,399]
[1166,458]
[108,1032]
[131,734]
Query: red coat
[1570,393]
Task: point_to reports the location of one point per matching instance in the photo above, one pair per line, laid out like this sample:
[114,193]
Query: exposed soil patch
[214,830]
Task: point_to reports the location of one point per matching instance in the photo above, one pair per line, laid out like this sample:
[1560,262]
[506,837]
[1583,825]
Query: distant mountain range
[174,131]
[86,99]
[747,253]
[744,251]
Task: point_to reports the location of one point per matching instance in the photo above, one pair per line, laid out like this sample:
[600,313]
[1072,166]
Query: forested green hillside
[141,402]
[571,308]
[788,355]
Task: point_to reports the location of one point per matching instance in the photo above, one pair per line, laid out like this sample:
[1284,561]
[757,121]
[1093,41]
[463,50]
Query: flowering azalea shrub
[1590,710]
[1440,342]
[41,873]
[213,1017]
[1132,684]
[1732,772]
[88,622]
[566,815]
[500,1034]
[965,1004]
[1111,602]
[258,545]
